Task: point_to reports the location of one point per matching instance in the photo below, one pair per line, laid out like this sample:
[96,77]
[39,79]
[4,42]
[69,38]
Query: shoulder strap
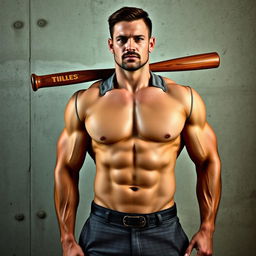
[157,81]
[107,85]
[191,103]
[76,95]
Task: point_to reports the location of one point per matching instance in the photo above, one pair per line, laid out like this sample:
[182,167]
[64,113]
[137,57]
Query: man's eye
[121,40]
[139,39]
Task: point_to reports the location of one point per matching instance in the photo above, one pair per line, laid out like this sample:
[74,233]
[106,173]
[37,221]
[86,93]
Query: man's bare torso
[136,138]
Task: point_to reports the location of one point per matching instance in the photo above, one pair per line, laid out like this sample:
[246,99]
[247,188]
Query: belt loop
[159,218]
[107,215]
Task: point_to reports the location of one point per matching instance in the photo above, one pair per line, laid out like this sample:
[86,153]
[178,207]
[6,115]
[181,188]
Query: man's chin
[131,68]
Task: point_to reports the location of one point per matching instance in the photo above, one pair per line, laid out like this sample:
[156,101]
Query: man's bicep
[201,142]
[199,137]
[72,143]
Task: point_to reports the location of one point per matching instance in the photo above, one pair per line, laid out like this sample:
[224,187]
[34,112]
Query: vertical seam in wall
[30,139]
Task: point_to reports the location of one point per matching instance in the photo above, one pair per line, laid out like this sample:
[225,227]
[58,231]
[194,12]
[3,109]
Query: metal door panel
[67,42]
[14,128]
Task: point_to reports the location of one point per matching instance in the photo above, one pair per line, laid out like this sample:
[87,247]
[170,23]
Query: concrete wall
[75,37]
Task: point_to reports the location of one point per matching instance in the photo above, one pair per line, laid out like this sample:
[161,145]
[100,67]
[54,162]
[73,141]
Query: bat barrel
[195,62]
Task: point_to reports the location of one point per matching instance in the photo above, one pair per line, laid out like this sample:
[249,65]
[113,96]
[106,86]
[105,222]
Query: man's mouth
[130,56]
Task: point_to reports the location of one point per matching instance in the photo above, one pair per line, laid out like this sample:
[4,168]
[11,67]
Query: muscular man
[134,125]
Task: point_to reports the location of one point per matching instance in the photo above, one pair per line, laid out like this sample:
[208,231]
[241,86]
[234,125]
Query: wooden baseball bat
[200,61]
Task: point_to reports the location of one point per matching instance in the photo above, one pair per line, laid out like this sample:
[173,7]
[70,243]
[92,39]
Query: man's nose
[130,45]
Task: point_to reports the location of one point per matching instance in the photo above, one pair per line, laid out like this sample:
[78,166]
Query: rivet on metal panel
[19,216]
[41,23]
[18,24]
[41,214]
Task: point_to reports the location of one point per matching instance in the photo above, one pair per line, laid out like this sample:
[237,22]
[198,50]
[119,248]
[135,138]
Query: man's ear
[152,42]
[110,45]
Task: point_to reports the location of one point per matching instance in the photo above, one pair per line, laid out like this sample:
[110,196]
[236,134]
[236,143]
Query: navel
[134,188]
[167,136]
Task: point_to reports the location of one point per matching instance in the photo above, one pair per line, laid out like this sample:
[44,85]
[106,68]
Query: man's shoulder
[92,89]
[91,93]
[180,93]
[190,98]
[176,90]
[84,98]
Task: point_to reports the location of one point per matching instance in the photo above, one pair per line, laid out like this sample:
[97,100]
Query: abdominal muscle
[135,177]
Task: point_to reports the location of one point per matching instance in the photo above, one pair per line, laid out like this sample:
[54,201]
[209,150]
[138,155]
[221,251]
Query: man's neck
[132,80]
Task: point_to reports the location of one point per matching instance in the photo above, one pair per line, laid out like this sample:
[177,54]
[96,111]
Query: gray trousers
[111,233]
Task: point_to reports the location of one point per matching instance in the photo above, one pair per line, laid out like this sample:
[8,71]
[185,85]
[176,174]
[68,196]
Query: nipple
[102,138]
[167,136]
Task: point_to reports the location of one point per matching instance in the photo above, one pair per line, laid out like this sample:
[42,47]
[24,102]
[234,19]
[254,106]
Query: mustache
[130,53]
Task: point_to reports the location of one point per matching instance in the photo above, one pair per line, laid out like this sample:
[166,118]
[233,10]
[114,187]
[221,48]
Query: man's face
[131,44]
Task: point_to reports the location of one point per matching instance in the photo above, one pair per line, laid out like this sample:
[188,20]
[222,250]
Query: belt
[133,220]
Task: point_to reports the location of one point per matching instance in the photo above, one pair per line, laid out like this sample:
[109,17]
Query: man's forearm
[66,201]
[209,191]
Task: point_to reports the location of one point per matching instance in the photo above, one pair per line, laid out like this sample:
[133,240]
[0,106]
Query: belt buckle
[141,221]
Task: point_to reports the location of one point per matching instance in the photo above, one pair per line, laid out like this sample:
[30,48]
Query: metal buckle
[136,221]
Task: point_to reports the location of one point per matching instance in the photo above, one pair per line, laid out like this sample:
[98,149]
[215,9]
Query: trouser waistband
[134,220]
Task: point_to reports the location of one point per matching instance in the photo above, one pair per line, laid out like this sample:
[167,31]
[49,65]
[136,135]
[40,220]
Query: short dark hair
[129,14]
